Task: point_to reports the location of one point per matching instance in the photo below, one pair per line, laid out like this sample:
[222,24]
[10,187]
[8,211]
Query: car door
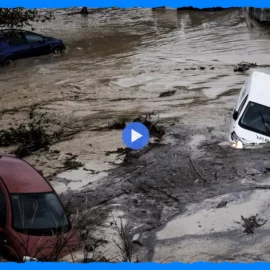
[3,216]
[6,235]
[18,46]
[37,43]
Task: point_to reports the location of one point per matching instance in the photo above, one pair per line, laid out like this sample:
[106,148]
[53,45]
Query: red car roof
[19,177]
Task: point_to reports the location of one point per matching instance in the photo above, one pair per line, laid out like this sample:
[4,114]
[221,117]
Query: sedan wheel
[57,52]
[7,62]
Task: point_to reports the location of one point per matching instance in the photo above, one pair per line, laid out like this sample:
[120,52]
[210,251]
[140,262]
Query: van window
[256,118]
[3,209]
[244,90]
[242,105]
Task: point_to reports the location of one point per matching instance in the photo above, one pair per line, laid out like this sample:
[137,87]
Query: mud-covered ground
[185,194]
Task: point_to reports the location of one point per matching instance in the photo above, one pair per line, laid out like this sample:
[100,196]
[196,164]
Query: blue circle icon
[135,135]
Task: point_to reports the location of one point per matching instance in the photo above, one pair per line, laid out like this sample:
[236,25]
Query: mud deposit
[185,194]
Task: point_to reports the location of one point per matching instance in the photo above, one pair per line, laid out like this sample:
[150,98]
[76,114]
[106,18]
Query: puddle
[210,219]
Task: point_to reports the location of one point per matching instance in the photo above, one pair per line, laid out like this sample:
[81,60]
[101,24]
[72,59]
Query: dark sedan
[16,44]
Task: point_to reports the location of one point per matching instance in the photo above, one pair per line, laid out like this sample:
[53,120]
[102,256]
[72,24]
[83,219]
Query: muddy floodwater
[184,194]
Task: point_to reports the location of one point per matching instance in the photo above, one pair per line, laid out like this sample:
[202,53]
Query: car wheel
[7,62]
[57,51]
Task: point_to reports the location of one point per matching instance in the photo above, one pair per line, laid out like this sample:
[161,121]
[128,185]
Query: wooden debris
[251,223]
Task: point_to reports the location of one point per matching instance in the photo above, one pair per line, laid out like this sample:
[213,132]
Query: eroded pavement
[184,195]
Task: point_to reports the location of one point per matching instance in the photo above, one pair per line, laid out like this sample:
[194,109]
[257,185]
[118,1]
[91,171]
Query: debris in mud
[117,125]
[28,138]
[120,151]
[244,66]
[263,187]
[196,170]
[222,204]
[137,242]
[154,129]
[251,223]
[72,163]
[167,93]
[133,155]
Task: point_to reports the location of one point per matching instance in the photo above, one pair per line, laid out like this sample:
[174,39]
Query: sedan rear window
[41,213]
[32,38]
[15,40]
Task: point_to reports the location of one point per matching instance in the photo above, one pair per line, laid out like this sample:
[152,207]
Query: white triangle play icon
[135,135]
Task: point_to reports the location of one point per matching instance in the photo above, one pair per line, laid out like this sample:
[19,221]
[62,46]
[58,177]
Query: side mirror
[235,115]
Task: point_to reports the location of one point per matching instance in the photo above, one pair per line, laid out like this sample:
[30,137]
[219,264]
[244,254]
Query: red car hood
[44,248]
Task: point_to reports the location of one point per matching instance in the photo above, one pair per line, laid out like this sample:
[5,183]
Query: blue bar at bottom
[141,266]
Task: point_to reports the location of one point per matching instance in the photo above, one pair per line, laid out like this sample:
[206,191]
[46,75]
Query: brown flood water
[116,65]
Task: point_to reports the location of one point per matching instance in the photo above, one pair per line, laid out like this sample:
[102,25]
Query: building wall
[260,14]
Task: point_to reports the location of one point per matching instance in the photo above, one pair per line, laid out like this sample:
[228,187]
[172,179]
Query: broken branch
[247,225]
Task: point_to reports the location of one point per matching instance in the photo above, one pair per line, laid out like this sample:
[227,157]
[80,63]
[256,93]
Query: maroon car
[33,224]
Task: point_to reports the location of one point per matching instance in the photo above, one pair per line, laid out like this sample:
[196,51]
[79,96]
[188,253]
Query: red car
[33,224]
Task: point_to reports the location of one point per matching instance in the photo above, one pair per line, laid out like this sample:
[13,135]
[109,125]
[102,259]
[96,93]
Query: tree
[20,17]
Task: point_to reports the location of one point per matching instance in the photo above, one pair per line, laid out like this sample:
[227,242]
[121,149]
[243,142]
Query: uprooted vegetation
[167,93]
[87,221]
[244,66]
[252,223]
[125,244]
[155,129]
[30,137]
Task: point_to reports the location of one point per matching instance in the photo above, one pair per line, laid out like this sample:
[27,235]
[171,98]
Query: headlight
[235,138]
[238,144]
[29,259]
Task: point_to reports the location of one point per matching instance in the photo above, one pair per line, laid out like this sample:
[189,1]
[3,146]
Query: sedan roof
[19,177]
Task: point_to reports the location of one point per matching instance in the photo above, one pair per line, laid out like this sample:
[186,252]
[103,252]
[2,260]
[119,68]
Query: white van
[251,117]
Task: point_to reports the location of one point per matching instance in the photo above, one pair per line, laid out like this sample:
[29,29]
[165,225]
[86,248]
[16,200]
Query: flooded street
[117,64]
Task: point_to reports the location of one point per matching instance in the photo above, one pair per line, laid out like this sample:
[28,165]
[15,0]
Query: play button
[135,135]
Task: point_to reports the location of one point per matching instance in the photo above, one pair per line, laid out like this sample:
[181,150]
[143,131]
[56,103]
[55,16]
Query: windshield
[256,118]
[38,213]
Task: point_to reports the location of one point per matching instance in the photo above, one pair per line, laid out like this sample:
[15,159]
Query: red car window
[37,212]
